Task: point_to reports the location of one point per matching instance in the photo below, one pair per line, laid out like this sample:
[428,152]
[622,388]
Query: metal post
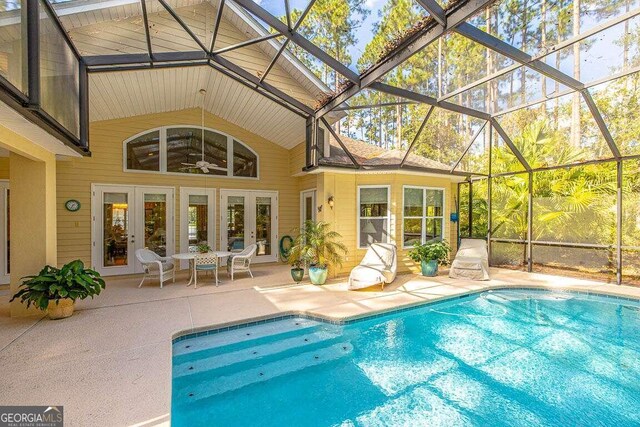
[33,52]
[489,184]
[83,80]
[470,207]
[530,226]
[309,141]
[619,223]
[458,201]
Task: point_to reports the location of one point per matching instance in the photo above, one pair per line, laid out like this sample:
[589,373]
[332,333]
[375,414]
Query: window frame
[424,216]
[163,153]
[359,218]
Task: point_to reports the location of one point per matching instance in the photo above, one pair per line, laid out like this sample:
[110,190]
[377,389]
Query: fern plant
[317,245]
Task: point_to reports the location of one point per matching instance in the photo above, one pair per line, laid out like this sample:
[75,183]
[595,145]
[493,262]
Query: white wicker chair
[207,262]
[242,262]
[155,266]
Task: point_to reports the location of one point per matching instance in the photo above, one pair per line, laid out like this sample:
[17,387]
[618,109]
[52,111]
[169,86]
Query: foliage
[72,281]
[431,251]
[203,248]
[316,245]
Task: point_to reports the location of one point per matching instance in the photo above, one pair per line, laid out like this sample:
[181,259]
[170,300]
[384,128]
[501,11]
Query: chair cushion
[206,267]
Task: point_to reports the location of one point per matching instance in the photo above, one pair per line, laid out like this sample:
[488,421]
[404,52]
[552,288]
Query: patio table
[191,256]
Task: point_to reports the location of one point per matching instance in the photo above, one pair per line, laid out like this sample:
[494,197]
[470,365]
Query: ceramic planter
[60,309]
[318,275]
[297,274]
[429,268]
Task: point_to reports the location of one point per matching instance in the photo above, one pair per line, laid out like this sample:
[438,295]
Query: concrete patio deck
[110,364]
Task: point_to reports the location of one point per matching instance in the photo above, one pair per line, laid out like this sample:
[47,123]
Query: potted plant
[317,246]
[297,270]
[56,290]
[430,255]
[203,248]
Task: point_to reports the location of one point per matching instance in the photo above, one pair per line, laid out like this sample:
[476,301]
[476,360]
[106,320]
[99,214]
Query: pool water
[500,358]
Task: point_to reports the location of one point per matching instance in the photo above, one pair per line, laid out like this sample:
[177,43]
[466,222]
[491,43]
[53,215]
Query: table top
[192,255]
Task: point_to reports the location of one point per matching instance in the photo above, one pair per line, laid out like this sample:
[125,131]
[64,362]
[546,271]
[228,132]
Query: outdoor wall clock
[72,205]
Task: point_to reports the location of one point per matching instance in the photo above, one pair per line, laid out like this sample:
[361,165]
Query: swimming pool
[512,357]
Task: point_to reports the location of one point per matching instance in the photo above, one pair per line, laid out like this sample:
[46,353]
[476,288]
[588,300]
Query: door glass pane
[198,221]
[235,223]
[263,225]
[115,211]
[308,208]
[155,223]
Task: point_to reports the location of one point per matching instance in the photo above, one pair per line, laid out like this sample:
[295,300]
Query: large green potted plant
[430,255]
[57,289]
[317,246]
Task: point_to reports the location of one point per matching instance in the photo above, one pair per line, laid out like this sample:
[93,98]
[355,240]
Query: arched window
[179,149]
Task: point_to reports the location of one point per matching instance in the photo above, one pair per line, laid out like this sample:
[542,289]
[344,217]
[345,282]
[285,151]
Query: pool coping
[288,314]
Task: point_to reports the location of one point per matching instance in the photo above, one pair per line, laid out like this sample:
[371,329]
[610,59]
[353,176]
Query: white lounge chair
[378,267]
[156,266]
[471,261]
[242,262]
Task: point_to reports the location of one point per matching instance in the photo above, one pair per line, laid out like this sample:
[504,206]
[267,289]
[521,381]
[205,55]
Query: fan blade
[204,169]
[188,164]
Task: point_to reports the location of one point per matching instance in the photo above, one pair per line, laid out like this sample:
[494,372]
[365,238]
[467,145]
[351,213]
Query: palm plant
[316,245]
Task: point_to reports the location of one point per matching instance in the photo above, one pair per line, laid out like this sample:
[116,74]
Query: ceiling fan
[202,164]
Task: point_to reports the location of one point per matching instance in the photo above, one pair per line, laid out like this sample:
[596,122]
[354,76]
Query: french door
[248,217]
[307,206]
[127,218]
[197,225]
[4,232]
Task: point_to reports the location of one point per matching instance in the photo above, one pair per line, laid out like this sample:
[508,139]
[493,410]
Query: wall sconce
[331,202]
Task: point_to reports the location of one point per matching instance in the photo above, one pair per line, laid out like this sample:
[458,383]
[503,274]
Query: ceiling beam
[344,147]
[434,10]
[425,99]
[184,26]
[245,43]
[595,112]
[510,144]
[468,147]
[301,41]
[407,49]
[216,25]
[485,39]
[416,136]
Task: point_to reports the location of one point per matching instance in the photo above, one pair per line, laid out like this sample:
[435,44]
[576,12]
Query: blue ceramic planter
[318,275]
[429,268]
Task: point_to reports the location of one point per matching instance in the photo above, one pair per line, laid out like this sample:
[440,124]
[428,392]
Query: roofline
[385,170]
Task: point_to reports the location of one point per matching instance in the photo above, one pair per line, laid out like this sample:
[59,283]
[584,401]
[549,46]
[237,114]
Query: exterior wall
[105,166]
[344,215]
[4,168]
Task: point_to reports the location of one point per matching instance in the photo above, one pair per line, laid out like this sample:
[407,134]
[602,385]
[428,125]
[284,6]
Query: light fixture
[330,201]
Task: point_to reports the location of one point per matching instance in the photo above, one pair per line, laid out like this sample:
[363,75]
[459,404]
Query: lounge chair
[241,262]
[378,267]
[471,261]
[155,266]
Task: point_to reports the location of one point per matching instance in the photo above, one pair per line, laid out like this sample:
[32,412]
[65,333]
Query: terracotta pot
[60,309]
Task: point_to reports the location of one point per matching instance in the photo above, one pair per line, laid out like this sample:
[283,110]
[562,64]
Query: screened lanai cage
[533,103]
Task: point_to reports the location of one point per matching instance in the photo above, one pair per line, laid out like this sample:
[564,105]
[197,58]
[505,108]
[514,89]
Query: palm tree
[316,245]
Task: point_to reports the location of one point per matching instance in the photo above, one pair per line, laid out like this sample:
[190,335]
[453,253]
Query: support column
[619,171]
[33,219]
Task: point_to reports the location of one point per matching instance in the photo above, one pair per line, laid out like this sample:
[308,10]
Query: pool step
[242,338]
[217,385]
[239,359]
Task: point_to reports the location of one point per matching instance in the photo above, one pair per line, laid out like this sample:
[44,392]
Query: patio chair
[205,262]
[242,262]
[156,266]
[378,267]
[471,261]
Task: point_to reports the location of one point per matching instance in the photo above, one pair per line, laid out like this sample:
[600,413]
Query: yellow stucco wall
[105,166]
[344,215]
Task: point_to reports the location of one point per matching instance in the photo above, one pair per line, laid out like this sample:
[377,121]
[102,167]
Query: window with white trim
[423,215]
[373,215]
[179,149]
